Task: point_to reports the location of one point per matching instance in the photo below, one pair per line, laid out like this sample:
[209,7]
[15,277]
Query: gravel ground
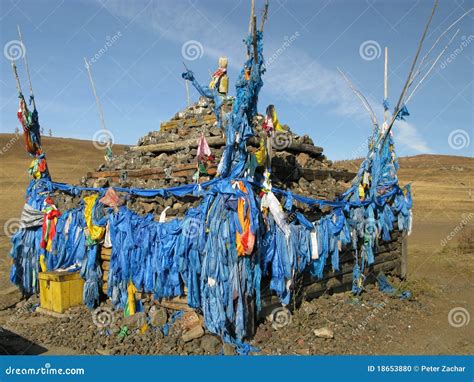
[367,324]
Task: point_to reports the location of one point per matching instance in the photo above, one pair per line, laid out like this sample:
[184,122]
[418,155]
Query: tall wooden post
[385,85]
[26,67]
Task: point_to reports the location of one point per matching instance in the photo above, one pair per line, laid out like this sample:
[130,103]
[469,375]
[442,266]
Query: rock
[158,316]
[136,320]
[304,351]
[103,351]
[324,333]
[101,183]
[189,320]
[303,183]
[192,334]
[148,207]
[302,159]
[228,349]
[210,344]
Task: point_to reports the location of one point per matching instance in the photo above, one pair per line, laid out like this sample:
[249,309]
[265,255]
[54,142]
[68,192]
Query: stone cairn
[167,158]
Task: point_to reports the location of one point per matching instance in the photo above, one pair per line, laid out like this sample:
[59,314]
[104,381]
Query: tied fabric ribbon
[131,307]
[216,77]
[402,113]
[51,214]
[271,121]
[95,232]
[204,157]
[261,153]
[203,150]
[30,125]
[245,241]
[111,199]
[37,167]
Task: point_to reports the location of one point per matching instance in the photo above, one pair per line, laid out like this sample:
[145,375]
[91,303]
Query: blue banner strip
[226,369]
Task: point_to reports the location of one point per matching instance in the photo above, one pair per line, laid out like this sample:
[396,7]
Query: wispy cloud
[294,75]
[310,83]
[181,22]
[408,136]
[306,81]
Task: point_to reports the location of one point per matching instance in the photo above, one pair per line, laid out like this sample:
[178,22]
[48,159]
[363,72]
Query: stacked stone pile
[167,158]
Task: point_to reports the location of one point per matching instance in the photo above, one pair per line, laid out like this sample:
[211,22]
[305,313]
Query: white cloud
[310,83]
[294,74]
[406,136]
[182,21]
[306,81]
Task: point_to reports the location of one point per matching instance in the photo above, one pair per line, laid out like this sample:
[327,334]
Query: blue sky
[138,76]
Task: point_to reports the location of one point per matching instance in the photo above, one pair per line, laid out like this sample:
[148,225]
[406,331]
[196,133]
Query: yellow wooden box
[60,290]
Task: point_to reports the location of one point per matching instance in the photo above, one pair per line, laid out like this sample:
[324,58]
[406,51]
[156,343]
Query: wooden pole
[99,107]
[361,97]
[426,56]
[409,78]
[385,85]
[27,68]
[187,93]
[254,33]
[17,79]
[252,14]
[264,16]
[431,67]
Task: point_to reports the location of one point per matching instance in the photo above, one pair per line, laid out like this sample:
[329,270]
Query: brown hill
[439,274]
[68,160]
[441,184]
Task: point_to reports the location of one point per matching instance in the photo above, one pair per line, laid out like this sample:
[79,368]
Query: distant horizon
[333,160]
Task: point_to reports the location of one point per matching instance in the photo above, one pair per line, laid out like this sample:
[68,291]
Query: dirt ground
[436,320]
